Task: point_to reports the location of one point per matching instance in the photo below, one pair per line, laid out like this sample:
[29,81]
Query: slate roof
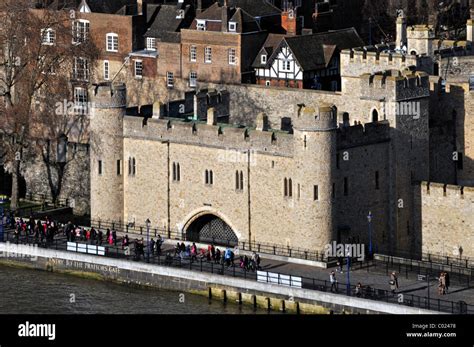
[271,44]
[166,25]
[245,22]
[97,6]
[315,51]
[255,8]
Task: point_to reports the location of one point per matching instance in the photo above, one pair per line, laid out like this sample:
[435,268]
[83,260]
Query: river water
[25,291]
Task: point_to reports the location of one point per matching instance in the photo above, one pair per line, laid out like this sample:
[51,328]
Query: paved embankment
[217,286]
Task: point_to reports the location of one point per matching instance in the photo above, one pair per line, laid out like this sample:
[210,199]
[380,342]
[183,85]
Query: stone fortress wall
[447,218]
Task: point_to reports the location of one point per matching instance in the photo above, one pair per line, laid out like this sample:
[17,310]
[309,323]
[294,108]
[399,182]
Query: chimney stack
[199,7]
[225,17]
[290,22]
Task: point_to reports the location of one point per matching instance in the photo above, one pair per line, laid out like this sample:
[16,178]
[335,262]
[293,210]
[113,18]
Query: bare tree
[38,53]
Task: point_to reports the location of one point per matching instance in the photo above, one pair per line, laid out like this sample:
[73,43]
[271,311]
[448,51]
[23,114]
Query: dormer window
[201,25]
[232,27]
[263,59]
[151,44]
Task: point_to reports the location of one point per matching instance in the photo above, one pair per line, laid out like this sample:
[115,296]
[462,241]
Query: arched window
[211,177]
[241,180]
[178,172]
[285,187]
[290,188]
[237,180]
[375,115]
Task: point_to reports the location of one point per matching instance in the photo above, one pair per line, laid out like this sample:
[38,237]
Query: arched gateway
[209,228]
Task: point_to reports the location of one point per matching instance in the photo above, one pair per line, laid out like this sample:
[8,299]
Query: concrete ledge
[191,281]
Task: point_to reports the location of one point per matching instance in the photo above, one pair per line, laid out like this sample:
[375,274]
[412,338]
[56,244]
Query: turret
[401,31]
[470,28]
[106,151]
[315,154]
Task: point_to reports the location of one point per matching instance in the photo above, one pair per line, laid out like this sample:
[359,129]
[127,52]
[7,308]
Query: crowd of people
[214,254]
[34,230]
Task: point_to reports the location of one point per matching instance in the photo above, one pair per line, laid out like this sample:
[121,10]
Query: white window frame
[285,67]
[111,42]
[106,70]
[193,79]
[232,27]
[169,79]
[263,59]
[208,55]
[80,31]
[138,69]
[193,54]
[80,100]
[81,69]
[48,37]
[151,44]
[232,56]
[201,25]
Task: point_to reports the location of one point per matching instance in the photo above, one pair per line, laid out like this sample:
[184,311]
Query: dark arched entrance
[211,229]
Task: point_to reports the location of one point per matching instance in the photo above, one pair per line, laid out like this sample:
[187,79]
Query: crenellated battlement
[394,85]
[201,134]
[440,190]
[370,59]
[363,135]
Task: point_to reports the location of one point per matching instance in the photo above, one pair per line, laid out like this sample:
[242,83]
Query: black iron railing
[203,265]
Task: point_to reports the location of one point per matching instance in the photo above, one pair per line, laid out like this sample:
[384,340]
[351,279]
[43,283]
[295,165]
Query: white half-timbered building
[305,61]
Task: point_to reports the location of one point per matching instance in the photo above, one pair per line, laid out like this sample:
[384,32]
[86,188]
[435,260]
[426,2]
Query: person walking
[441,284]
[114,236]
[446,280]
[333,280]
[358,291]
[393,282]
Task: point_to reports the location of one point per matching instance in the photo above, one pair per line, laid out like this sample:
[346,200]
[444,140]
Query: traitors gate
[211,229]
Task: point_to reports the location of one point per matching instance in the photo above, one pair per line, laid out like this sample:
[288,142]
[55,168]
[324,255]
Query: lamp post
[369,219]
[348,286]
[147,240]
[1,222]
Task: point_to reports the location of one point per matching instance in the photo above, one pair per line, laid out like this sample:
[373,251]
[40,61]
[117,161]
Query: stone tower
[106,153]
[470,28]
[315,157]
[401,31]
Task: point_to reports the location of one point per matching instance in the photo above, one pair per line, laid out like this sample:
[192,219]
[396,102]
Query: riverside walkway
[373,278]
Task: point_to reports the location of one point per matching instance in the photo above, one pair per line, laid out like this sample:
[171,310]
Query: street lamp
[147,240]
[348,286]
[369,219]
